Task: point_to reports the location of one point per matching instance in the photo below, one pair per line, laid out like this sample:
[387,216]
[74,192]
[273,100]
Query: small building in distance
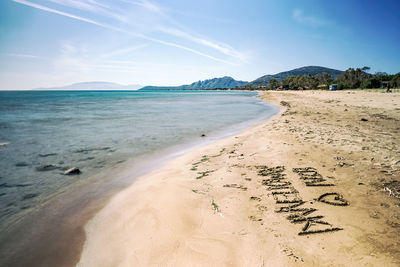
[333,87]
[262,87]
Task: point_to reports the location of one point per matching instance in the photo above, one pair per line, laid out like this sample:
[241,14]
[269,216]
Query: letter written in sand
[311,177]
[289,200]
[334,199]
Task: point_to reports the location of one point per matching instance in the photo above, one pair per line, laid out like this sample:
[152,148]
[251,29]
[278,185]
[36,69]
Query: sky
[47,43]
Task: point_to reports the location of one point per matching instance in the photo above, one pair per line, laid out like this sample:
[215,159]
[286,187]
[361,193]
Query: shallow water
[43,133]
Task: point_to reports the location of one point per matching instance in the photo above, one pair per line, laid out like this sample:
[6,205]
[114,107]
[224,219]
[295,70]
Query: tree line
[358,78]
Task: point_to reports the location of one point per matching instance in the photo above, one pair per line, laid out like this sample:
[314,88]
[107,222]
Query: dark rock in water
[203,135]
[47,155]
[73,171]
[47,168]
[86,150]
[363,119]
[21,164]
[29,196]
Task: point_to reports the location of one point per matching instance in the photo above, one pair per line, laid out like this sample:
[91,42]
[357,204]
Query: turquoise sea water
[43,133]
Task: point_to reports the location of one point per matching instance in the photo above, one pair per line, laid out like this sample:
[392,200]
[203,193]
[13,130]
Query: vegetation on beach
[357,78]
[215,206]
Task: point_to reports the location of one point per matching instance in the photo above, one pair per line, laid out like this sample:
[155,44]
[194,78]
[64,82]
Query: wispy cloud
[51,10]
[71,60]
[92,6]
[21,55]
[190,50]
[74,60]
[313,21]
[182,32]
[146,4]
[223,48]
[137,35]
[124,51]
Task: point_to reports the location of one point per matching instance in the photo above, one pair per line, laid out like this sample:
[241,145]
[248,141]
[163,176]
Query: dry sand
[218,206]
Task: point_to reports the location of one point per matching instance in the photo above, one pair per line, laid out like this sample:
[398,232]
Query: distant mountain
[94,86]
[304,71]
[224,82]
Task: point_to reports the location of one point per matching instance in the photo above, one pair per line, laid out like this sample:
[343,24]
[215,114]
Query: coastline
[213,207]
[53,233]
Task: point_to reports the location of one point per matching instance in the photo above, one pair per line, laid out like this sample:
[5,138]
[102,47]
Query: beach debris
[285,104]
[261,208]
[48,167]
[384,117]
[393,188]
[385,205]
[236,186]
[204,158]
[73,171]
[255,219]
[374,215]
[198,192]
[202,135]
[195,165]
[344,164]
[215,206]
[203,174]
[334,199]
[255,198]
[363,119]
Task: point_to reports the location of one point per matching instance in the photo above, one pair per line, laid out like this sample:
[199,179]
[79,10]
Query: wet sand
[318,185]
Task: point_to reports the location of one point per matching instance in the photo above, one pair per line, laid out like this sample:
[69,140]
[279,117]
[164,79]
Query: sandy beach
[317,185]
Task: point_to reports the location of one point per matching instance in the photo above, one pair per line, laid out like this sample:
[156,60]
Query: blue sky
[171,42]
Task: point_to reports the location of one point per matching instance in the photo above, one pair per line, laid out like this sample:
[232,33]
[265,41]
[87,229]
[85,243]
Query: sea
[44,133]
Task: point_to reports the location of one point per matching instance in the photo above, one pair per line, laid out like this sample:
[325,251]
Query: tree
[310,82]
[395,81]
[352,78]
[273,84]
[371,82]
[324,78]
[365,69]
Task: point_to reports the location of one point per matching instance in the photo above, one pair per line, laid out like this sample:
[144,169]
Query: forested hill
[303,71]
[215,83]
